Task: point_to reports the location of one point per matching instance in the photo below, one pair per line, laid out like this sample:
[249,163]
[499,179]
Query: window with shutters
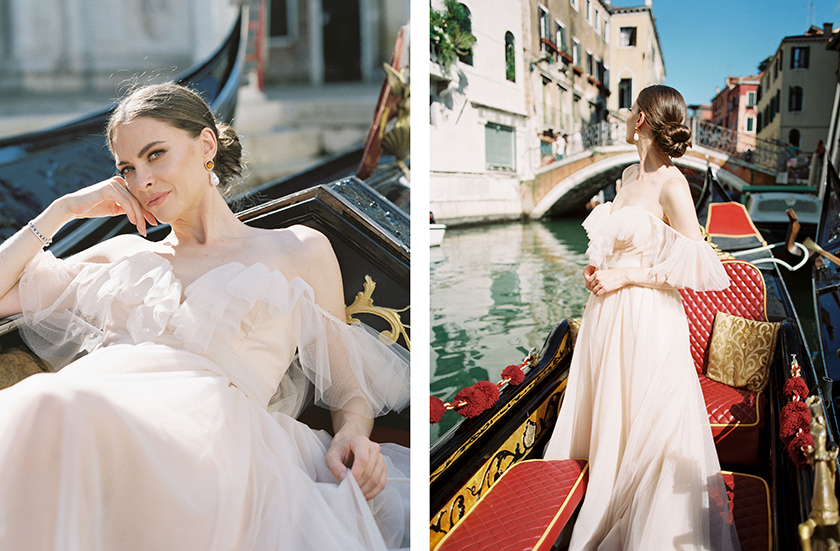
[500,147]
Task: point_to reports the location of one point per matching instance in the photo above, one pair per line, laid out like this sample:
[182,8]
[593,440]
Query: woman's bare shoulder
[298,248]
[299,239]
[678,205]
[675,188]
[308,254]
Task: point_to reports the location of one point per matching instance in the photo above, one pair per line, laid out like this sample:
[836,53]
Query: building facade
[317,41]
[734,107]
[93,45]
[566,56]
[796,90]
[635,55]
[478,142]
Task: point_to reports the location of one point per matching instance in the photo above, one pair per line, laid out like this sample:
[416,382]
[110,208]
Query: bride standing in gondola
[633,405]
[176,430]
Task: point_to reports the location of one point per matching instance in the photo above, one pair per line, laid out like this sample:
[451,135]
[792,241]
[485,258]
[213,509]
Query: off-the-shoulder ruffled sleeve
[683,262]
[71,308]
[347,361]
[57,326]
[689,264]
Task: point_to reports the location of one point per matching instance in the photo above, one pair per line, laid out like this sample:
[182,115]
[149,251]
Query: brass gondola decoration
[824,520]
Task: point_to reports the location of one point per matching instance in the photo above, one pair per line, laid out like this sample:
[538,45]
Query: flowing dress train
[633,405]
[169,431]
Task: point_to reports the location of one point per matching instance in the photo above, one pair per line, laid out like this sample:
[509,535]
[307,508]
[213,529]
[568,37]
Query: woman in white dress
[633,405]
[175,430]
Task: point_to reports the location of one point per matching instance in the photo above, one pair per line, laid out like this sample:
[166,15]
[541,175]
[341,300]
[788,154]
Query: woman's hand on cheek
[364,459]
[109,198]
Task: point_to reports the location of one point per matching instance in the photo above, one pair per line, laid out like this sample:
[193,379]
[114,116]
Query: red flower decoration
[798,449]
[478,398]
[794,416]
[795,387]
[489,390]
[514,373]
[436,409]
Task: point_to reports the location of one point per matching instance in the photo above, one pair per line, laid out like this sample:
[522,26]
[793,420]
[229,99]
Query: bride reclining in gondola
[174,428]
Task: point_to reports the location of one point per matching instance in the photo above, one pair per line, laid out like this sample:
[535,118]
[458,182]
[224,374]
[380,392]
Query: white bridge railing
[769,154]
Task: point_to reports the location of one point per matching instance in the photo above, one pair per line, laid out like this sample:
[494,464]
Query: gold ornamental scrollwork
[708,239]
[363,304]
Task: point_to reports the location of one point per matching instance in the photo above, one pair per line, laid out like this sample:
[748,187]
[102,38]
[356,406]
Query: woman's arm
[107,198]
[600,282]
[351,446]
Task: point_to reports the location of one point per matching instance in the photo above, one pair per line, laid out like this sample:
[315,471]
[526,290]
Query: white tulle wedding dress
[174,431]
[633,405]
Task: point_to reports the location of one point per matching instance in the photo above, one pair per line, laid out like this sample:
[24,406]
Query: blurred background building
[316,65]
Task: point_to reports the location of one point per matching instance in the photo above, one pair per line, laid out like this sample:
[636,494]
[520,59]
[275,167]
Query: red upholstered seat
[736,415]
[526,508]
[750,500]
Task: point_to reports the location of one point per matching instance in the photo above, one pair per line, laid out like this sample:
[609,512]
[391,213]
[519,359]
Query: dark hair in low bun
[185,109]
[229,155]
[664,110]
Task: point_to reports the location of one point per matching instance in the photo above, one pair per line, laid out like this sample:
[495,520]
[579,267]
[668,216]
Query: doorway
[342,41]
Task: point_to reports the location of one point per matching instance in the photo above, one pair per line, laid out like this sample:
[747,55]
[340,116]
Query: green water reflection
[495,293]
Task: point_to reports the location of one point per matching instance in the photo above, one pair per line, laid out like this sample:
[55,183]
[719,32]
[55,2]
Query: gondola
[771,495]
[826,286]
[370,234]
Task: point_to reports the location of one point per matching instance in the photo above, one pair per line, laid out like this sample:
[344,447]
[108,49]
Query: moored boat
[436,232]
[826,285]
[768,205]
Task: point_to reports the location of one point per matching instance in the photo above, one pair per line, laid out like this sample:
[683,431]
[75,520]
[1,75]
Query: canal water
[496,291]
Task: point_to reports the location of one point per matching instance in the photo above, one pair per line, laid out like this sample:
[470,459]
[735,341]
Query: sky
[705,41]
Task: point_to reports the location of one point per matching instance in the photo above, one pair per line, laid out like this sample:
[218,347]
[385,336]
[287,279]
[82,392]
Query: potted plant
[449,35]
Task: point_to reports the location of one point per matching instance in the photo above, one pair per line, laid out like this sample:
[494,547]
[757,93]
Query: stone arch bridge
[565,186]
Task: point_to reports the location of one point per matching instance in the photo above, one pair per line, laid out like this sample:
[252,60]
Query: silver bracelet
[46,241]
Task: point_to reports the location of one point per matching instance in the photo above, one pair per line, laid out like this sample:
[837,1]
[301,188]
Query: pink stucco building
[734,107]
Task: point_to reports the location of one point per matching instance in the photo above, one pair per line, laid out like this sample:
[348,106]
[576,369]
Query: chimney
[649,3]
[827,27]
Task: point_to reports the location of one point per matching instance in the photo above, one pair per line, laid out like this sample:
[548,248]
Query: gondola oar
[811,246]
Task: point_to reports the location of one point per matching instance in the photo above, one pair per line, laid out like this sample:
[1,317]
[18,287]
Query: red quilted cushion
[735,415]
[745,297]
[526,508]
[736,418]
[727,405]
[750,500]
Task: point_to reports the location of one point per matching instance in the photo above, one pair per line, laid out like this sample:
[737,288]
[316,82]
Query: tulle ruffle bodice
[633,237]
[250,321]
